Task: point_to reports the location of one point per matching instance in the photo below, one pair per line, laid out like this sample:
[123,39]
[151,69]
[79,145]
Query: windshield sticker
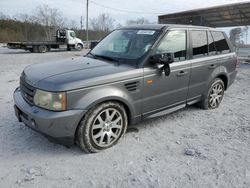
[145,32]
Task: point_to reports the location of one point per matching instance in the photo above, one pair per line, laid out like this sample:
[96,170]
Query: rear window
[220,42]
[199,42]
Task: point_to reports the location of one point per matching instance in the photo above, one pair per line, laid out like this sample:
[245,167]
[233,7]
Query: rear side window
[220,42]
[211,45]
[174,42]
[199,42]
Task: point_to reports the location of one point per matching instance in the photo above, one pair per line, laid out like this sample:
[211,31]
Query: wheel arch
[104,100]
[126,105]
[203,103]
[222,73]
[79,44]
[224,78]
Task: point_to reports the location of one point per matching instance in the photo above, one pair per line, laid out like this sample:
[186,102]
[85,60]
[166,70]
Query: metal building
[236,14]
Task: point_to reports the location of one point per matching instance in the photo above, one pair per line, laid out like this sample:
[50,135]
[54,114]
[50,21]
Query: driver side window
[174,42]
[72,34]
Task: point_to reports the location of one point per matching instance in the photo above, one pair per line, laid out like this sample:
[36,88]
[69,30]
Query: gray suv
[134,73]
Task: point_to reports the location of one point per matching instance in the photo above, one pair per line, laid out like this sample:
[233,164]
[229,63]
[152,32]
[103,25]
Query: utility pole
[81,24]
[87,21]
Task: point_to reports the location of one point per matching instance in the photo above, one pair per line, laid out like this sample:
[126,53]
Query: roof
[145,26]
[159,26]
[236,14]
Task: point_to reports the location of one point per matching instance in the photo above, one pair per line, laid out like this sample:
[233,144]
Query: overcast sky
[74,9]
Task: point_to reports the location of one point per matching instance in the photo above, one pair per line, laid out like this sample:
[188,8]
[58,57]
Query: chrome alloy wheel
[216,95]
[107,127]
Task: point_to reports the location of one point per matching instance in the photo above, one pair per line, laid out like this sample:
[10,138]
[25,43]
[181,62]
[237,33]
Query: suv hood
[76,73]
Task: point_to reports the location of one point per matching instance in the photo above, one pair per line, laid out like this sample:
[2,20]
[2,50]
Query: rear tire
[102,127]
[214,95]
[42,49]
[68,48]
[35,49]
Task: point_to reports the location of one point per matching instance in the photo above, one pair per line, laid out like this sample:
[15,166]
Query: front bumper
[59,127]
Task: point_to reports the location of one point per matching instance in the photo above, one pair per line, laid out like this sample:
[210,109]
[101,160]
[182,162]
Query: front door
[71,38]
[168,92]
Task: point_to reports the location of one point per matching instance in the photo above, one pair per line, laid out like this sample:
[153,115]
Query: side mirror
[165,59]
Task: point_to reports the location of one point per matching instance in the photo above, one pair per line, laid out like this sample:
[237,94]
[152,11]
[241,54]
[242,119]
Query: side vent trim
[132,86]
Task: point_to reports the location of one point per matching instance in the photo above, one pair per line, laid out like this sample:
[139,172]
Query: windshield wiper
[93,55]
[107,58]
[104,57]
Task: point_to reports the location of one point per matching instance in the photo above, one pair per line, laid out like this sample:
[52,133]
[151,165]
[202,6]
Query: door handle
[212,66]
[181,73]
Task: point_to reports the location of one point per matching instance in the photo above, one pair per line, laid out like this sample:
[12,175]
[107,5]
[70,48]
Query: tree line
[239,36]
[44,21]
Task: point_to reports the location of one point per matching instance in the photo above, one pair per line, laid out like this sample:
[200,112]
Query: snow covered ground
[153,154]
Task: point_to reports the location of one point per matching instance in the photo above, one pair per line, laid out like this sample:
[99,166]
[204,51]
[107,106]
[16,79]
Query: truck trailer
[65,39]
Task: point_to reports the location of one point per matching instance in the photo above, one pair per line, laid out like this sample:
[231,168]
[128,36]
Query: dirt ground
[152,155]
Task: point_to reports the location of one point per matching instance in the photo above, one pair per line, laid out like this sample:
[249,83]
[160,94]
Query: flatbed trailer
[65,39]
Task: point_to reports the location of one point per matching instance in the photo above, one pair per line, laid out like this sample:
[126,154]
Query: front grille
[27,91]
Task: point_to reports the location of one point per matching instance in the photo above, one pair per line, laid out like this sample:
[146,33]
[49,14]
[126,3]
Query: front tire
[79,47]
[102,127]
[214,95]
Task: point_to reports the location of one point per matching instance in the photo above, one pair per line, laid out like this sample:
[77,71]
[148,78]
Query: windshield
[126,44]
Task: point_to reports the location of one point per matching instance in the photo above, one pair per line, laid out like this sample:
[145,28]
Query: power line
[123,10]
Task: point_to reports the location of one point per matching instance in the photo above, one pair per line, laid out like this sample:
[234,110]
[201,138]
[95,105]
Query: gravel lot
[188,148]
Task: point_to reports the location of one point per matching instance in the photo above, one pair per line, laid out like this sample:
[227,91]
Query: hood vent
[132,86]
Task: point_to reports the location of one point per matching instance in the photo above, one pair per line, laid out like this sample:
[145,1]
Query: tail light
[237,62]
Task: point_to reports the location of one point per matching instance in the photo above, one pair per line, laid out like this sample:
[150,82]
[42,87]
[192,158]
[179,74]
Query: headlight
[50,101]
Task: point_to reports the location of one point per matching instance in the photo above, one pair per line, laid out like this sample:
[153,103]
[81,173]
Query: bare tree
[26,20]
[118,26]
[235,35]
[3,16]
[104,22]
[51,18]
[138,21]
[245,33]
[82,20]
[23,17]
[72,25]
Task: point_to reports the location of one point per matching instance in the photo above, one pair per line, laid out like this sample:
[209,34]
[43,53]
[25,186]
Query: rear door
[164,92]
[208,53]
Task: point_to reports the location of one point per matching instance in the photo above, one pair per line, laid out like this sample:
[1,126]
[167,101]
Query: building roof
[236,14]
